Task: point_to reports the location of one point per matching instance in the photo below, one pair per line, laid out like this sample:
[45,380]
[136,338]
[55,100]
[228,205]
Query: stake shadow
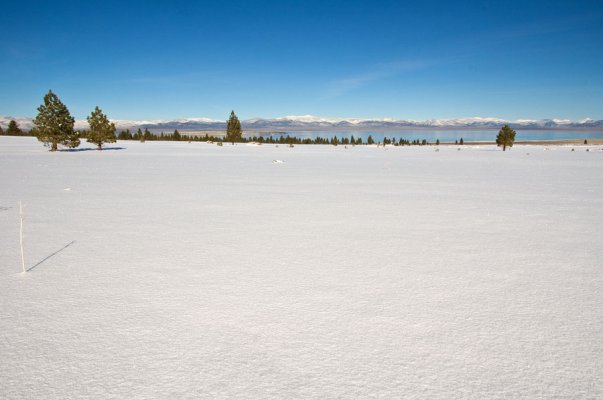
[53,254]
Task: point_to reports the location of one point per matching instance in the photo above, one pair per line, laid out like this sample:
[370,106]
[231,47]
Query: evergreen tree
[101,129]
[461,141]
[176,135]
[370,140]
[437,142]
[54,124]
[1,130]
[505,137]
[233,129]
[13,129]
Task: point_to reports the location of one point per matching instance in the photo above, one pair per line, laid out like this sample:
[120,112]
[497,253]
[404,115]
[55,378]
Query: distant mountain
[24,123]
[307,122]
[313,123]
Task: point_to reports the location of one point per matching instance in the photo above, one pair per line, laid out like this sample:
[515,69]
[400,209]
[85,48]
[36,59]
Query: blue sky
[415,60]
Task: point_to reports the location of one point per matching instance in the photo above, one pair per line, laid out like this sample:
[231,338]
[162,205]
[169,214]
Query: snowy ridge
[311,122]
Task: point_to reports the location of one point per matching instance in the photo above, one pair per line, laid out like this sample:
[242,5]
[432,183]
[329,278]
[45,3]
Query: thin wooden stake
[21,237]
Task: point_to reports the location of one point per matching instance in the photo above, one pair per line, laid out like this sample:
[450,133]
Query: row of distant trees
[54,126]
[146,135]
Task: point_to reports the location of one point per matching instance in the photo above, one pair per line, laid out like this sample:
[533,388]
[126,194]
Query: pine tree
[233,129]
[461,141]
[437,142]
[1,130]
[370,140]
[13,129]
[54,124]
[101,129]
[505,137]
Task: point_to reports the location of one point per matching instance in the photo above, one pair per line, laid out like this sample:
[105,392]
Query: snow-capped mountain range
[310,122]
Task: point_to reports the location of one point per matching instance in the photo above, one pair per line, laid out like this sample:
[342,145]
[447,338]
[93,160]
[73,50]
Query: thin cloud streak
[340,87]
[548,27]
[180,80]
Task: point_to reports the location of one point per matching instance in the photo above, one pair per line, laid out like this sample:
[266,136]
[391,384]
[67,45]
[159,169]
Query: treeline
[146,135]
[176,136]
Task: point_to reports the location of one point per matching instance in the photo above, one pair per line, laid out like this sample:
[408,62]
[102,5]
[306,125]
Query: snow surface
[188,270]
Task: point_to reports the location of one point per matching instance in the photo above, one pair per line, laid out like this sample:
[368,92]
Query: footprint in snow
[278,162]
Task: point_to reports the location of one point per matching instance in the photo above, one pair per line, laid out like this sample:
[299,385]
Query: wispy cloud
[547,27]
[342,86]
[173,81]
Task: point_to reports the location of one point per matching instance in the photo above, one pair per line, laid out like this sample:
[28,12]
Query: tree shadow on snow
[91,149]
[53,254]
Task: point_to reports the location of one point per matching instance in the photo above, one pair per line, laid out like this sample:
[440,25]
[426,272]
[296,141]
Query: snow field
[188,270]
